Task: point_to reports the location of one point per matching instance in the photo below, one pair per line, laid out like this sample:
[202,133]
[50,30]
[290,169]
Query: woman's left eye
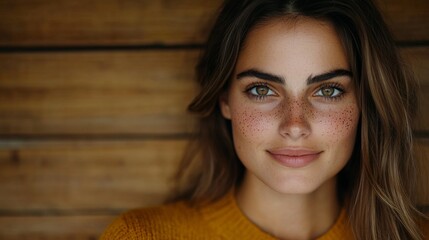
[329,92]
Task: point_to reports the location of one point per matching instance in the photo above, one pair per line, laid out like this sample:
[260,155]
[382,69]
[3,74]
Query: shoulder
[178,220]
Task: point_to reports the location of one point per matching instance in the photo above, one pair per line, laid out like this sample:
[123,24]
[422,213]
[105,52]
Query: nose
[294,124]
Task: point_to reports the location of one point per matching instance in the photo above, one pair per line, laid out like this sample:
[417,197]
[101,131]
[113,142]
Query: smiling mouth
[294,158]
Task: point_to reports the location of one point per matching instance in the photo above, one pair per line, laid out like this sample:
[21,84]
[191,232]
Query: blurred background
[92,105]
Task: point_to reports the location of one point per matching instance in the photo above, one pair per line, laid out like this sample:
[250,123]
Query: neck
[289,216]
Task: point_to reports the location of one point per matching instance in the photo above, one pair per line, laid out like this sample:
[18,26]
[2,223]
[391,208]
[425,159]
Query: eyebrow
[278,79]
[261,75]
[326,76]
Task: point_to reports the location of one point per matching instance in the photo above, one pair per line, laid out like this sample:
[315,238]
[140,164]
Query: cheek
[339,125]
[251,124]
[248,123]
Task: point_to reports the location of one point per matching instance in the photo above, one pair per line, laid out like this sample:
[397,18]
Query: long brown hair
[378,182]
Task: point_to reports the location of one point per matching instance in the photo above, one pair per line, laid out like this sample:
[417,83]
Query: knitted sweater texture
[219,220]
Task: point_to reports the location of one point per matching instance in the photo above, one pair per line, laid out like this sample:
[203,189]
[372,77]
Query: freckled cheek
[338,125]
[251,124]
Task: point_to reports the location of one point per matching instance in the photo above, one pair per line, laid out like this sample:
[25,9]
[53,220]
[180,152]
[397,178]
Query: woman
[305,131]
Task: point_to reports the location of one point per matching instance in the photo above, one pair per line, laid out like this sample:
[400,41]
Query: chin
[297,185]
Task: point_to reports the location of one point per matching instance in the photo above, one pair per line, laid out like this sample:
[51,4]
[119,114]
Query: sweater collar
[227,220]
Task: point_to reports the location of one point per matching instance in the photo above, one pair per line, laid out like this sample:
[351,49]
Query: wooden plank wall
[92,105]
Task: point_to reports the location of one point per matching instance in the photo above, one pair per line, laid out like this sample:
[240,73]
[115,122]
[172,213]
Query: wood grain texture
[53,227]
[107,22]
[83,93]
[118,92]
[63,176]
[117,22]
[408,20]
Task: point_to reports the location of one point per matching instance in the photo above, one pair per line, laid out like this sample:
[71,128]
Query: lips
[294,157]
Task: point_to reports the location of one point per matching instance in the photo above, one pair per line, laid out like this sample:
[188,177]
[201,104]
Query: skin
[280,109]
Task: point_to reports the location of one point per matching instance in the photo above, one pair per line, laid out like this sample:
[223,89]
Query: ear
[224,105]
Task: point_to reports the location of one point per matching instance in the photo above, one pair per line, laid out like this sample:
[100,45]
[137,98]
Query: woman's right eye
[260,91]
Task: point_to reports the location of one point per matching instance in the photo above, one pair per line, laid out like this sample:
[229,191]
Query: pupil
[328,91]
[262,90]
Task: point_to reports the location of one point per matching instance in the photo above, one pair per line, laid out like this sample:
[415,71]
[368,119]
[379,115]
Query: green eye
[261,91]
[329,92]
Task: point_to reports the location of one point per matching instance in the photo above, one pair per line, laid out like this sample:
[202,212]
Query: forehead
[281,45]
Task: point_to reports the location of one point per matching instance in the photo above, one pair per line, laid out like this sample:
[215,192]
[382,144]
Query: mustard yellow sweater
[220,220]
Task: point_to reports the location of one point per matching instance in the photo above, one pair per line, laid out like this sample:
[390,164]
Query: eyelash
[335,86]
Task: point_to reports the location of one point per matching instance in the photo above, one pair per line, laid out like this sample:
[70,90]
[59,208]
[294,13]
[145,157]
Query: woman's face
[292,105]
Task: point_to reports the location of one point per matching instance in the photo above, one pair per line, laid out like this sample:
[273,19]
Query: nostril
[295,128]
